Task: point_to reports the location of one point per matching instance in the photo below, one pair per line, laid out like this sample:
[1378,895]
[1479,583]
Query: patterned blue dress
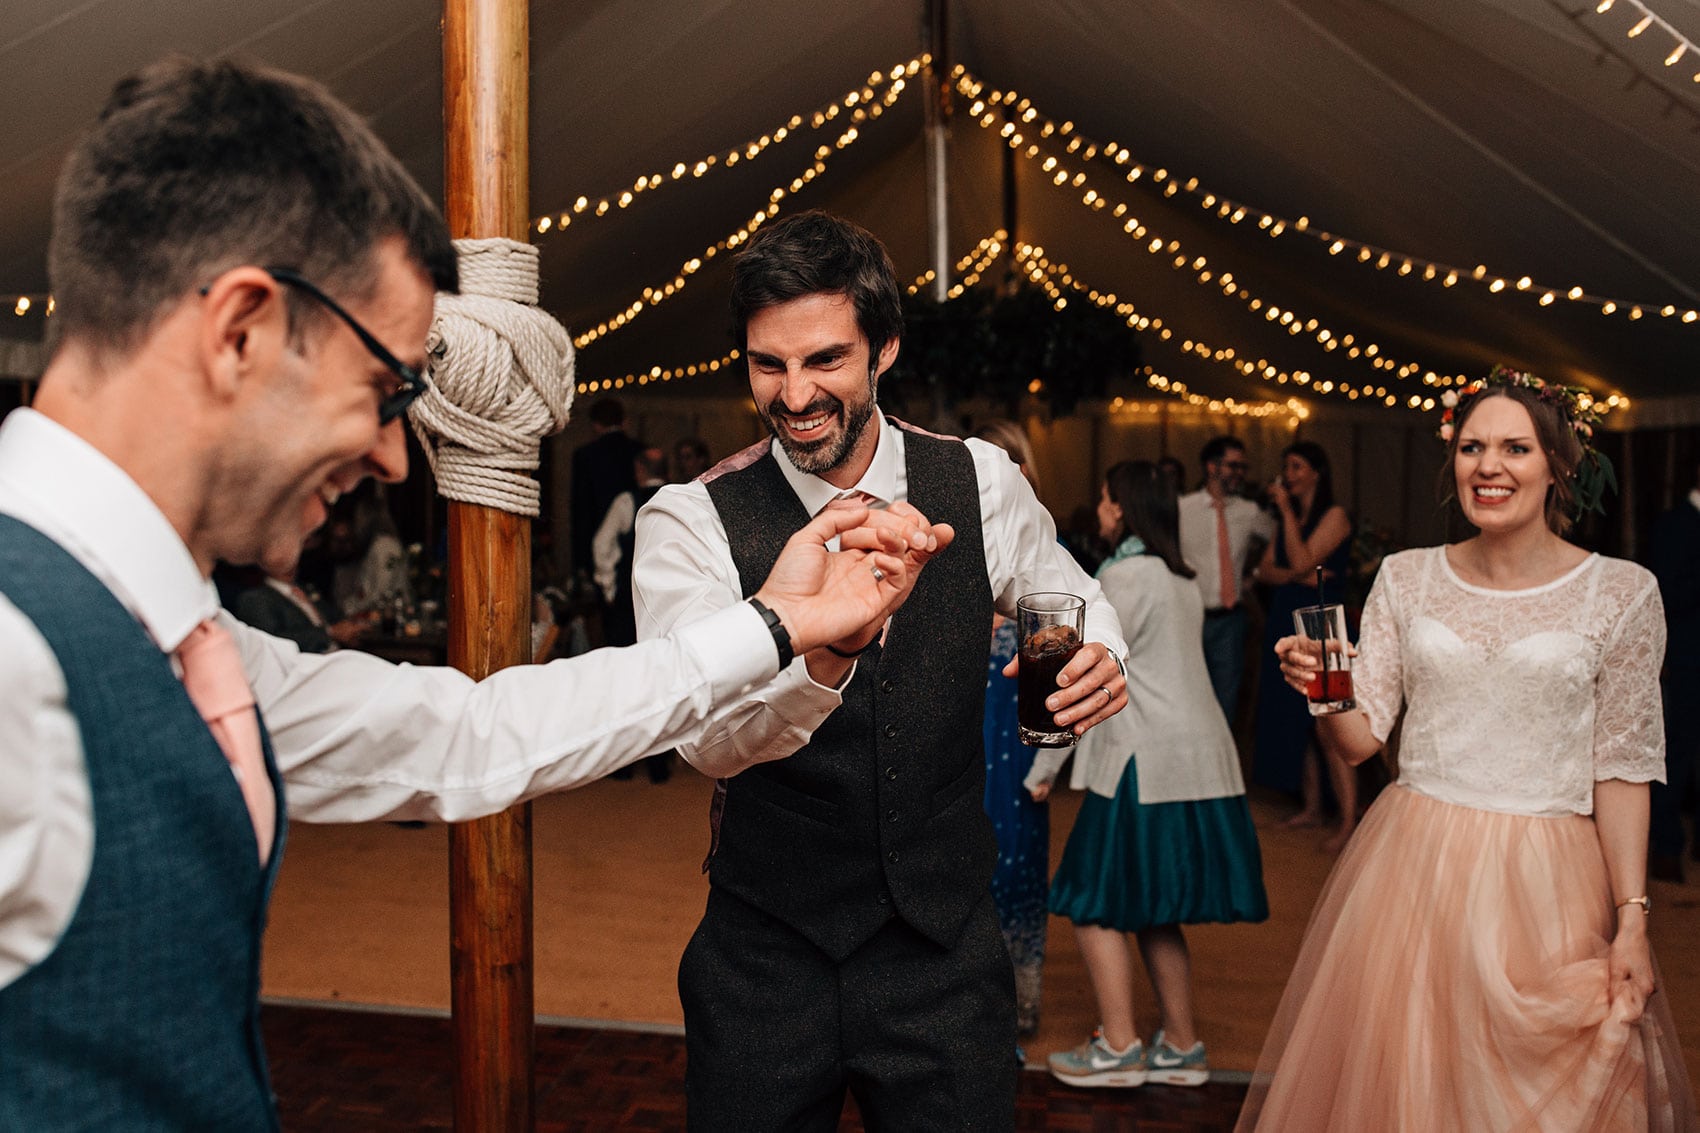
[1023,830]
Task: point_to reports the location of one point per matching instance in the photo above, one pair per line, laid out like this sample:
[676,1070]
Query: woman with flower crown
[1478,959]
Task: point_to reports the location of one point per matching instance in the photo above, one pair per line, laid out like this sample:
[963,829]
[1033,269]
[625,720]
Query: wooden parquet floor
[375,1072]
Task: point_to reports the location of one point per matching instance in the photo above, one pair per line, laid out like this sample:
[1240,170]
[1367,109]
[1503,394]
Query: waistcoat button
[891,731]
[891,772]
[893,856]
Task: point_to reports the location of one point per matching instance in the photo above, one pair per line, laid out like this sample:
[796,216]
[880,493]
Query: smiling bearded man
[850,941]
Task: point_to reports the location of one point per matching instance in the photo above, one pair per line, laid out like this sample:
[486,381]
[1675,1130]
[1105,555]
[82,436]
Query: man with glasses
[1218,529]
[244,279]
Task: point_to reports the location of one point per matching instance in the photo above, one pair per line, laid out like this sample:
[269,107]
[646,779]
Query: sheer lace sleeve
[1379,672]
[1629,729]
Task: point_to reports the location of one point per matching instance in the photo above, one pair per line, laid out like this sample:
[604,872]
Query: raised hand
[825,596]
[898,522]
[1301,658]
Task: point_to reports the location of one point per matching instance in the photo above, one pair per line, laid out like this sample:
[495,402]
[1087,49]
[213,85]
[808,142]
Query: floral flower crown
[1594,475]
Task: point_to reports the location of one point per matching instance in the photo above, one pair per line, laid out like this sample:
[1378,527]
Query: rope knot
[500,373]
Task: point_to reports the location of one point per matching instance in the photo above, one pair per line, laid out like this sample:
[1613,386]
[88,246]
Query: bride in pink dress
[1478,959]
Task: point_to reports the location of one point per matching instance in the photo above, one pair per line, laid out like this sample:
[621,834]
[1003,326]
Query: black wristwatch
[781,636]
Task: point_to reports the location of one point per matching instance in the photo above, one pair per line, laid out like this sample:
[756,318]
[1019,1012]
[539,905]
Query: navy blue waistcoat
[145,1014]
[881,812]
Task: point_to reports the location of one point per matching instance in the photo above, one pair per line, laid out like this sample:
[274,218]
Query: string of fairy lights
[1017,117]
[1062,152]
[659,374]
[969,269]
[1681,45]
[1295,324]
[859,105]
[656,295]
[1054,278]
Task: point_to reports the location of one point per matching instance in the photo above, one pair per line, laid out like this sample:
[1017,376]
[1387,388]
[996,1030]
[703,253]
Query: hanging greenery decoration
[1007,347]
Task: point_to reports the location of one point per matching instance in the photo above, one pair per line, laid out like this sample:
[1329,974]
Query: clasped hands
[842,598]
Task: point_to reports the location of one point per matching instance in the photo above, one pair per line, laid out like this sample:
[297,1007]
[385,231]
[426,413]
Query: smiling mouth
[806,425]
[1492,494]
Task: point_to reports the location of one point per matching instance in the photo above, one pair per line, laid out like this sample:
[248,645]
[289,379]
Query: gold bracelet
[1646,904]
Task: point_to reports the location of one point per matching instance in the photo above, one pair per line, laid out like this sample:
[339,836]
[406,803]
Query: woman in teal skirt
[1164,837]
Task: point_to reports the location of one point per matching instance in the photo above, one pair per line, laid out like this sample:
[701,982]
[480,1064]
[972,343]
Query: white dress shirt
[605,544]
[1246,521]
[683,570]
[356,738]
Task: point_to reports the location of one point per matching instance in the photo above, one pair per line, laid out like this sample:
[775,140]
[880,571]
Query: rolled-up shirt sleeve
[682,571]
[1023,555]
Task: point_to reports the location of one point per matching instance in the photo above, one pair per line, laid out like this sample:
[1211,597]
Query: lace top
[1515,700]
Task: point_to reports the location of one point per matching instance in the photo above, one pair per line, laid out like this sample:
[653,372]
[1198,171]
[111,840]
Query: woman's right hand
[1301,659]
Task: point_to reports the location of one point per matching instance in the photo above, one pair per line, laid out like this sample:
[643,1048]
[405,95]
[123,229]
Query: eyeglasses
[412,385]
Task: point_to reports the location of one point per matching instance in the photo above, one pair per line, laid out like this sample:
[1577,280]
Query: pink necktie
[1224,560]
[216,684]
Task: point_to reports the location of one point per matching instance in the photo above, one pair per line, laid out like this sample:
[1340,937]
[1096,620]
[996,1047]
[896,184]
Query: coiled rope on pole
[500,377]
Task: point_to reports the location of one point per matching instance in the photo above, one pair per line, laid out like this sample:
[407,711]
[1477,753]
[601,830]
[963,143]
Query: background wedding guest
[1021,823]
[275,604]
[1219,528]
[1313,531]
[602,469]
[1478,959]
[690,460]
[1164,837]
[612,552]
[1675,561]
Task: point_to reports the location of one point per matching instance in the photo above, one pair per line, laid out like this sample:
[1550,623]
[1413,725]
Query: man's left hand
[1090,689]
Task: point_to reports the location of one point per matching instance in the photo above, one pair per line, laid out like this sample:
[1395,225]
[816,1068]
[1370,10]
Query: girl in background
[1315,531]
[1164,837]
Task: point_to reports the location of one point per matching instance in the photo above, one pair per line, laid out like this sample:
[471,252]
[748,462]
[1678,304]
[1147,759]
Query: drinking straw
[1322,608]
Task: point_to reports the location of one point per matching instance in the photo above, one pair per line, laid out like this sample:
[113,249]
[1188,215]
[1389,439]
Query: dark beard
[820,457]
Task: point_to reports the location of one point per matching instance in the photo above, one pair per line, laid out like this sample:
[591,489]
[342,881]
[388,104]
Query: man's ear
[244,328]
[888,355]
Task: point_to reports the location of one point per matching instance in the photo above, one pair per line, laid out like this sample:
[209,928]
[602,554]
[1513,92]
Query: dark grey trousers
[776,1031]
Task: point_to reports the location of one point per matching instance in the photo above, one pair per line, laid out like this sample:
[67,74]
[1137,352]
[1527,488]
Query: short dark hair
[193,168]
[607,412]
[1149,510]
[1217,447]
[811,253]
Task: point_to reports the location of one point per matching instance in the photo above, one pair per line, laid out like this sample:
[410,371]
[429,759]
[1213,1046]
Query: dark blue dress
[1023,827]
[1283,717]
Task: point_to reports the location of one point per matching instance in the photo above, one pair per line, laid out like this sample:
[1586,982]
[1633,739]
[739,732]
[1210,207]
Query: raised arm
[358,738]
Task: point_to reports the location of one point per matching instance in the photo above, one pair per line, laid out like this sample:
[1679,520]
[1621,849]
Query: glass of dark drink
[1051,629]
[1323,629]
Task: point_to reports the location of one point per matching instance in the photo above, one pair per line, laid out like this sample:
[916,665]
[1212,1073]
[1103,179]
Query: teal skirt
[1129,866]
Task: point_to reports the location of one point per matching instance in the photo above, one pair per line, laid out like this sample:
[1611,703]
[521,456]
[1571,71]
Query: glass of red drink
[1051,628]
[1323,629]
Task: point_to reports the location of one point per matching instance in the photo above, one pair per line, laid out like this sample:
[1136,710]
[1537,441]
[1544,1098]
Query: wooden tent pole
[936,115]
[486,98]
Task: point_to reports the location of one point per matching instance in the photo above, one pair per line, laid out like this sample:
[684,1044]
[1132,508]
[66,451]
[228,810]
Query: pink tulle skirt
[1454,977]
